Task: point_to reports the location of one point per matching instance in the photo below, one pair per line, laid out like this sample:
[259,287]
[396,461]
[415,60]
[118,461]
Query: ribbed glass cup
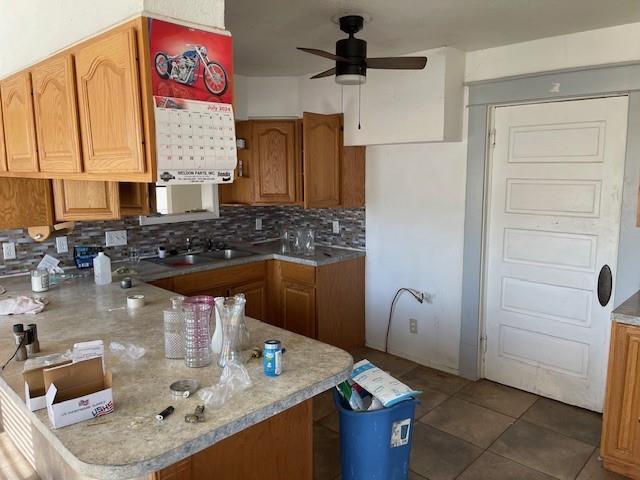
[197,330]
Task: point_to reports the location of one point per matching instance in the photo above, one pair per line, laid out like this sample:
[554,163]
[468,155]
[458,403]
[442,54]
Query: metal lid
[184,388]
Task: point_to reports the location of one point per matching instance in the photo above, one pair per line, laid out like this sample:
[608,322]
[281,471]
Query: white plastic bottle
[102,269]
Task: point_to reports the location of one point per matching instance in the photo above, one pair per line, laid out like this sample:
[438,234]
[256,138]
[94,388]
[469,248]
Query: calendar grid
[195,140]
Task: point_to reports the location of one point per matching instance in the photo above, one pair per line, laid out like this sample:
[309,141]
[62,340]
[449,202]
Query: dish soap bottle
[102,269]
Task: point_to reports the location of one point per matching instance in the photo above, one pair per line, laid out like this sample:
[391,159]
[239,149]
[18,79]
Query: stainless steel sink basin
[187,260]
[229,254]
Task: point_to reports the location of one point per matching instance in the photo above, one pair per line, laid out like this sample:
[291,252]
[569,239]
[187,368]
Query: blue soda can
[272,358]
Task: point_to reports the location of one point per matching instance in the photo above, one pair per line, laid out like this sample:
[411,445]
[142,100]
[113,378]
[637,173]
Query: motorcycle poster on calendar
[192,72]
[190,63]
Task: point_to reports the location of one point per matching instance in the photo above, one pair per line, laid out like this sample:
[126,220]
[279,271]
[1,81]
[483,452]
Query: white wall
[595,47]
[396,107]
[415,226]
[31,30]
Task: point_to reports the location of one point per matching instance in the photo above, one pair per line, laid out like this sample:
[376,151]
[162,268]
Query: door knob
[605,284]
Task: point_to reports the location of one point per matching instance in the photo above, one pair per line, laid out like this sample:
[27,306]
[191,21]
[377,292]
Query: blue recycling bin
[375,445]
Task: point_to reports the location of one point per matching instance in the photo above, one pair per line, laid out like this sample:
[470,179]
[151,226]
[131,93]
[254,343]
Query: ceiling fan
[351,56]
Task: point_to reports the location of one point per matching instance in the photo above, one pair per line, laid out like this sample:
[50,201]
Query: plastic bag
[129,349]
[46,360]
[234,379]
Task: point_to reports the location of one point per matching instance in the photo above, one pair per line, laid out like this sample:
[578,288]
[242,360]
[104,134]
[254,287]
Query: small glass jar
[39,280]
[174,329]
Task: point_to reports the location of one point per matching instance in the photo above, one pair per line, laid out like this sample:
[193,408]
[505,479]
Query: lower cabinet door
[256,295]
[299,308]
[621,425]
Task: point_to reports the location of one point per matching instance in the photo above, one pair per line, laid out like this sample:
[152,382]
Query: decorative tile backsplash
[236,224]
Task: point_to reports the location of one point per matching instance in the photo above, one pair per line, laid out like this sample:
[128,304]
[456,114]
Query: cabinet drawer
[295,272]
[213,279]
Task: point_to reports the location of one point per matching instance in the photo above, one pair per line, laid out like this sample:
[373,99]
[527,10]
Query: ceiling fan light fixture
[351,79]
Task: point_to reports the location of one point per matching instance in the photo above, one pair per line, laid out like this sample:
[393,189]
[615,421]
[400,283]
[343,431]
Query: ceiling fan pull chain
[359,104]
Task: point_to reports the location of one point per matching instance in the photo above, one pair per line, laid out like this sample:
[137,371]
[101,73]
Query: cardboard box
[78,391]
[34,388]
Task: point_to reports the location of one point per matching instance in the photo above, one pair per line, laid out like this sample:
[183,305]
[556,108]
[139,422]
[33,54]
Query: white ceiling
[266,32]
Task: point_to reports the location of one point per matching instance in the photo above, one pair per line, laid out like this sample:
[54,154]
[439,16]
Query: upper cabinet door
[3,156]
[19,131]
[109,104]
[54,100]
[322,159]
[85,200]
[274,168]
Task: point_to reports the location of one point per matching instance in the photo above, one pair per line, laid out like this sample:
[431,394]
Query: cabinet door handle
[605,284]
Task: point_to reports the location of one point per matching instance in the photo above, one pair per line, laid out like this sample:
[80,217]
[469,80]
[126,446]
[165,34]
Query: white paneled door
[553,222]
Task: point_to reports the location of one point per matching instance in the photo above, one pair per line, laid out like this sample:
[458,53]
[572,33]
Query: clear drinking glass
[197,328]
[174,328]
[309,242]
[298,242]
[285,241]
[134,255]
[231,311]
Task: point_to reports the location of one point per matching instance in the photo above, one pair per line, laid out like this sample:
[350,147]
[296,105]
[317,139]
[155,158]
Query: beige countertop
[129,442]
[629,312]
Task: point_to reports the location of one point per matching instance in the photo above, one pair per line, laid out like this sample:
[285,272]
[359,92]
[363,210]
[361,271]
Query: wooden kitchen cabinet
[222,282]
[56,115]
[85,113]
[243,456]
[78,200]
[30,201]
[620,446]
[324,302]
[322,159]
[256,295]
[242,188]
[19,128]
[3,152]
[135,198]
[299,308]
[109,104]
[274,161]
[322,174]
[85,200]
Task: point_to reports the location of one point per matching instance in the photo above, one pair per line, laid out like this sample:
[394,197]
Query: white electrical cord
[419,296]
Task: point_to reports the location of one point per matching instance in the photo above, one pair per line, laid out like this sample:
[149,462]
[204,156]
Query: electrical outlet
[9,251]
[61,245]
[115,238]
[413,326]
[258,224]
[336,226]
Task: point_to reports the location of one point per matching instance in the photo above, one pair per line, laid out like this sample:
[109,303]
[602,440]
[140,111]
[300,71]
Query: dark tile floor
[477,431]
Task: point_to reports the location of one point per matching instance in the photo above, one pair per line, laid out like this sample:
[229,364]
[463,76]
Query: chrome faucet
[189,244]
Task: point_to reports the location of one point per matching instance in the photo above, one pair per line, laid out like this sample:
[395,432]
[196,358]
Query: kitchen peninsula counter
[130,443]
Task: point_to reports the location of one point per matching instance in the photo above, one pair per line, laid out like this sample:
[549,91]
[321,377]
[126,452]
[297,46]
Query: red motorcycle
[185,69]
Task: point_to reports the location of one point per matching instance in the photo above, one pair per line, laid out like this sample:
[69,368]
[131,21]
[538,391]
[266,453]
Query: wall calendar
[195,141]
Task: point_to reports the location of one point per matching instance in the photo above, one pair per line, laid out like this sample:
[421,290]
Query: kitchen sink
[229,254]
[187,260]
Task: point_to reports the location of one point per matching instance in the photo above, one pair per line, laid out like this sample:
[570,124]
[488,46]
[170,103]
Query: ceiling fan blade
[397,63]
[322,53]
[326,73]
